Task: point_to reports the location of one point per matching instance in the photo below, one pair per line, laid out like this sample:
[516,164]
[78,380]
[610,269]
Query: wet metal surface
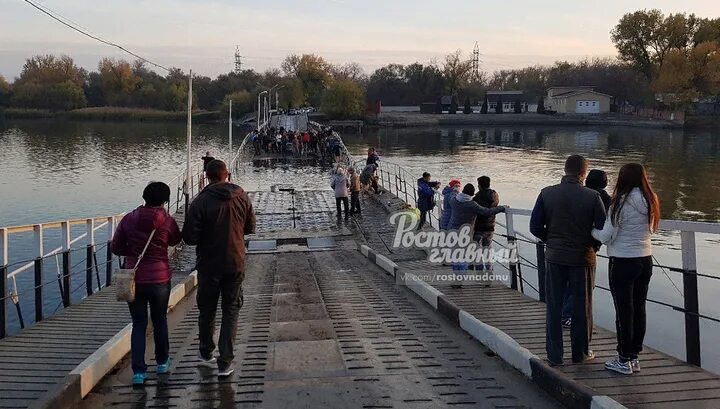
[329,329]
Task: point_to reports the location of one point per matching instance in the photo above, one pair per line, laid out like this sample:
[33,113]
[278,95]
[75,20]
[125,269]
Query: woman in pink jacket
[152,278]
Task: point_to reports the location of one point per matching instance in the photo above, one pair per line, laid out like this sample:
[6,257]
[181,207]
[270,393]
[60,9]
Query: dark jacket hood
[596,179]
[223,191]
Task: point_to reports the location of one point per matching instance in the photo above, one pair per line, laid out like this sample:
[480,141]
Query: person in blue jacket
[426,197]
[448,192]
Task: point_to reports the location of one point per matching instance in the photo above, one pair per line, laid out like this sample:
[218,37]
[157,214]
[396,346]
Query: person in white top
[633,216]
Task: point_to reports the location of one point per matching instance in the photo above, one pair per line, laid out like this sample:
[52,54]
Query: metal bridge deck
[329,329]
[664,381]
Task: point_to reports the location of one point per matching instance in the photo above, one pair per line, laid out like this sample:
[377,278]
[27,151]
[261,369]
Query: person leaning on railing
[152,277]
[633,216]
[563,217]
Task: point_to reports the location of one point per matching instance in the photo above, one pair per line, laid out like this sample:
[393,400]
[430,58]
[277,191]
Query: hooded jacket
[631,237]
[131,236]
[448,194]
[465,210]
[426,196]
[486,198]
[367,174]
[341,184]
[217,222]
[597,181]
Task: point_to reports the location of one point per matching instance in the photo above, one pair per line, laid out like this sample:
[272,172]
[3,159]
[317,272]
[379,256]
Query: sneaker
[618,366]
[164,368]
[635,365]
[227,371]
[138,379]
[567,322]
[207,361]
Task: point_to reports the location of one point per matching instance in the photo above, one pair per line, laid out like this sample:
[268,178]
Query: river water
[56,170]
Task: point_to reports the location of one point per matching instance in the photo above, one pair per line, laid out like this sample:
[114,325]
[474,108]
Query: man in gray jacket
[563,217]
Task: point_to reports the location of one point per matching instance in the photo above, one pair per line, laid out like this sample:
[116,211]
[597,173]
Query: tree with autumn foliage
[50,82]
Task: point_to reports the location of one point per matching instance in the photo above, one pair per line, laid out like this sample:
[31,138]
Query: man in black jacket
[485,225]
[217,222]
[563,218]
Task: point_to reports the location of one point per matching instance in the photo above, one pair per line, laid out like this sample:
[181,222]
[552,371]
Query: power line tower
[238,60]
[476,62]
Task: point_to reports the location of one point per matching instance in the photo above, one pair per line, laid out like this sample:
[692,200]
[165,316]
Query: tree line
[667,60]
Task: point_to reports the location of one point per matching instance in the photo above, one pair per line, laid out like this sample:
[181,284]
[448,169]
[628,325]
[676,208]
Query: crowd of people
[348,185]
[320,143]
[573,219]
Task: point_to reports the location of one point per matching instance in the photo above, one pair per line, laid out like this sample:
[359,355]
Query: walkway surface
[329,329]
[664,381]
[40,357]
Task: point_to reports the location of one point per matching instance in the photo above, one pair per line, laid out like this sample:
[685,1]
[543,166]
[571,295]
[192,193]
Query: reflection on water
[521,160]
[54,170]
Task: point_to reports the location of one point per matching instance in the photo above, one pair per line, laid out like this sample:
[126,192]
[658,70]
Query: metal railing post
[40,252]
[66,267]
[540,255]
[108,252]
[89,252]
[3,281]
[512,244]
[690,295]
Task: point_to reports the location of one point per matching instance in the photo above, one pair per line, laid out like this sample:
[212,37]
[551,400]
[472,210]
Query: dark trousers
[344,201]
[629,281]
[210,288]
[423,219]
[355,202]
[157,296]
[581,281]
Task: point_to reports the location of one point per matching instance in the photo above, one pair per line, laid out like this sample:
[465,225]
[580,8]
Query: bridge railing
[398,181]
[76,239]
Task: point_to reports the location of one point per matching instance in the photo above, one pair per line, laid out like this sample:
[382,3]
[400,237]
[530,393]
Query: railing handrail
[688,229]
[665,224]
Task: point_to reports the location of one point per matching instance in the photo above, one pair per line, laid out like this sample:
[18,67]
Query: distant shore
[412,119]
[111,114]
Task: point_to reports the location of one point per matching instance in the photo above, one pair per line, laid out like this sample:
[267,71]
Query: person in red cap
[449,192]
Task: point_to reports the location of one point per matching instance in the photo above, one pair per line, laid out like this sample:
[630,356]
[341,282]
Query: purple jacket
[131,235]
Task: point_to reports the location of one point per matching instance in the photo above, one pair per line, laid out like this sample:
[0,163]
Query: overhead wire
[65,21]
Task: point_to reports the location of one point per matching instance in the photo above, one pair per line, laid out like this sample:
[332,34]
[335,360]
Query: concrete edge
[81,380]
[499,342]
[427,292]
[605,402]
[386,264]
[568,391]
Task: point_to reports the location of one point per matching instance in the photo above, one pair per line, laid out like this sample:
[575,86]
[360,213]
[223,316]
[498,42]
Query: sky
[202,34]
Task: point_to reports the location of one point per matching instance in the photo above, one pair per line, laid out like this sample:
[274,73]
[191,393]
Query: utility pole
[188,178]
[476,62]
[230,125]
[238,60]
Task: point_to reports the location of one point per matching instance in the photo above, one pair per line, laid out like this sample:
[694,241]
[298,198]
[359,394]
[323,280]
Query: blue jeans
[157,296]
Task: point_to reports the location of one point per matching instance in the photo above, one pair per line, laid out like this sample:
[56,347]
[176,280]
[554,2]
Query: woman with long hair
[633,216]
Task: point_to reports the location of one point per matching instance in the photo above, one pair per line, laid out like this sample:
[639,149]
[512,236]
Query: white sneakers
[625,368]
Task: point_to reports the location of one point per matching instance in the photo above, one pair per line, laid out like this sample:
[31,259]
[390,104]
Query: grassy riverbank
[412,119]
[111,114]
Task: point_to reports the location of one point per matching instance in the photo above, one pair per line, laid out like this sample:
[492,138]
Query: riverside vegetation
[664,61]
